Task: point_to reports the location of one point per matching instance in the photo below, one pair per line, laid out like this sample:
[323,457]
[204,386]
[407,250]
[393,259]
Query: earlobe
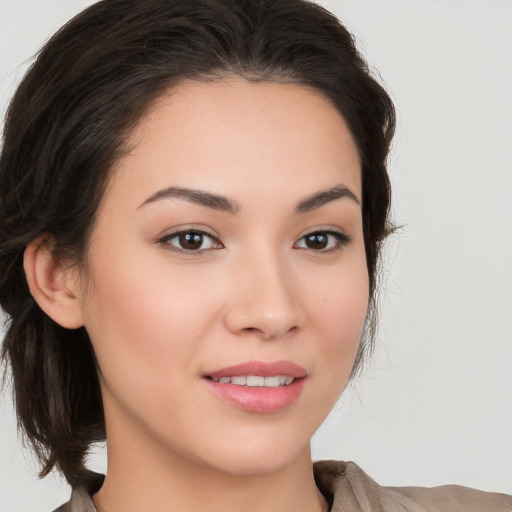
[52,283]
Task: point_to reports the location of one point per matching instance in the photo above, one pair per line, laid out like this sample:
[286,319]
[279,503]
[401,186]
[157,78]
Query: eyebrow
[221,203]
[326,196]
[200,197]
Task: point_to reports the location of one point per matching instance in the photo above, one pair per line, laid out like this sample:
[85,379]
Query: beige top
[349,489]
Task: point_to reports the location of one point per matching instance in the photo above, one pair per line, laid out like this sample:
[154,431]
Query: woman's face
[228,244]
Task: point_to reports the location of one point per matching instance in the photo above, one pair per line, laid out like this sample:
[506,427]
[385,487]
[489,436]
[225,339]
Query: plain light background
[435,404]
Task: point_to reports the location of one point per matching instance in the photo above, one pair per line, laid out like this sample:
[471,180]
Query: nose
[264,299]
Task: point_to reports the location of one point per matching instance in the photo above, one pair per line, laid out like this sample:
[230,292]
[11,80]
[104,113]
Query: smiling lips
[257,386]
[257,381]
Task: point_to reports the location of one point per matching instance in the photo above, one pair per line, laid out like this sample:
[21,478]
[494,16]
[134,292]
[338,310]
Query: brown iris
[316,241]
[191,240]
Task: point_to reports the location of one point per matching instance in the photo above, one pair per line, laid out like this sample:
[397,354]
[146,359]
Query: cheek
[338,307]
[142,318]
[338,299]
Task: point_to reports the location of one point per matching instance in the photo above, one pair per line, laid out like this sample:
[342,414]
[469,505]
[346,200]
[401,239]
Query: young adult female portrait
[194,211]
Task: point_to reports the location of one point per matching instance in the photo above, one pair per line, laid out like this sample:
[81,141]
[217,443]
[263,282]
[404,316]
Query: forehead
[229,135]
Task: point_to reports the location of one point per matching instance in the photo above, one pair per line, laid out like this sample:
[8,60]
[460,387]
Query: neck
[144,475]
[137,482]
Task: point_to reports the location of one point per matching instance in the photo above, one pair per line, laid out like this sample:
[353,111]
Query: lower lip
[258,398]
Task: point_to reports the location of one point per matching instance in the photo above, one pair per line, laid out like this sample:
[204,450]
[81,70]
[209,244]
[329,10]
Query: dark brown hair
[66,127]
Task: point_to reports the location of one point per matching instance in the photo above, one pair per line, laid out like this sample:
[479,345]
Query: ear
[53,284]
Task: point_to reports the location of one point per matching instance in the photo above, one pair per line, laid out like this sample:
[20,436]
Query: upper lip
[261,369]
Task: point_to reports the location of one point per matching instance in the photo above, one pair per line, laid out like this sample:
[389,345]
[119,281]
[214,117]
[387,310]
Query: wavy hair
[68,123]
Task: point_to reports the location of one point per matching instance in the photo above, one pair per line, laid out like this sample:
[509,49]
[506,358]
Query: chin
[259,457]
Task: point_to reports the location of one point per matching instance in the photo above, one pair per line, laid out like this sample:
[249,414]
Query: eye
[323,241]
[190,241]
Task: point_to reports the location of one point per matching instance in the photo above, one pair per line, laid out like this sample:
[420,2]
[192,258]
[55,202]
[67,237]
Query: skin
[160,318]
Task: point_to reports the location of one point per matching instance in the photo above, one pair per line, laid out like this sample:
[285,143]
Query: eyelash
[341,239]
[165,241]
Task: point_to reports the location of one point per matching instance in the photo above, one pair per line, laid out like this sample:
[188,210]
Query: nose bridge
[265,302]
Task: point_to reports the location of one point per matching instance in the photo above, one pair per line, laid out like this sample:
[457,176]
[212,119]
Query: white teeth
[252,381]
[256,381]
[272,382]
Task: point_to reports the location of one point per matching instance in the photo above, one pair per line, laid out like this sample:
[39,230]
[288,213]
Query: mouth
[250,373]
[274,381]
[257,386]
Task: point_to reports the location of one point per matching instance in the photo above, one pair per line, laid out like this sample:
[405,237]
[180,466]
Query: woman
[194,195]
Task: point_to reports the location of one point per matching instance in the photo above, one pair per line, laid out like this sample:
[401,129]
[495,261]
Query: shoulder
[81,496]
[349,488]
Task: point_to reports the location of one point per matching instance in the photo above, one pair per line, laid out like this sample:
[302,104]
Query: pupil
[316,241]
[191,240]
